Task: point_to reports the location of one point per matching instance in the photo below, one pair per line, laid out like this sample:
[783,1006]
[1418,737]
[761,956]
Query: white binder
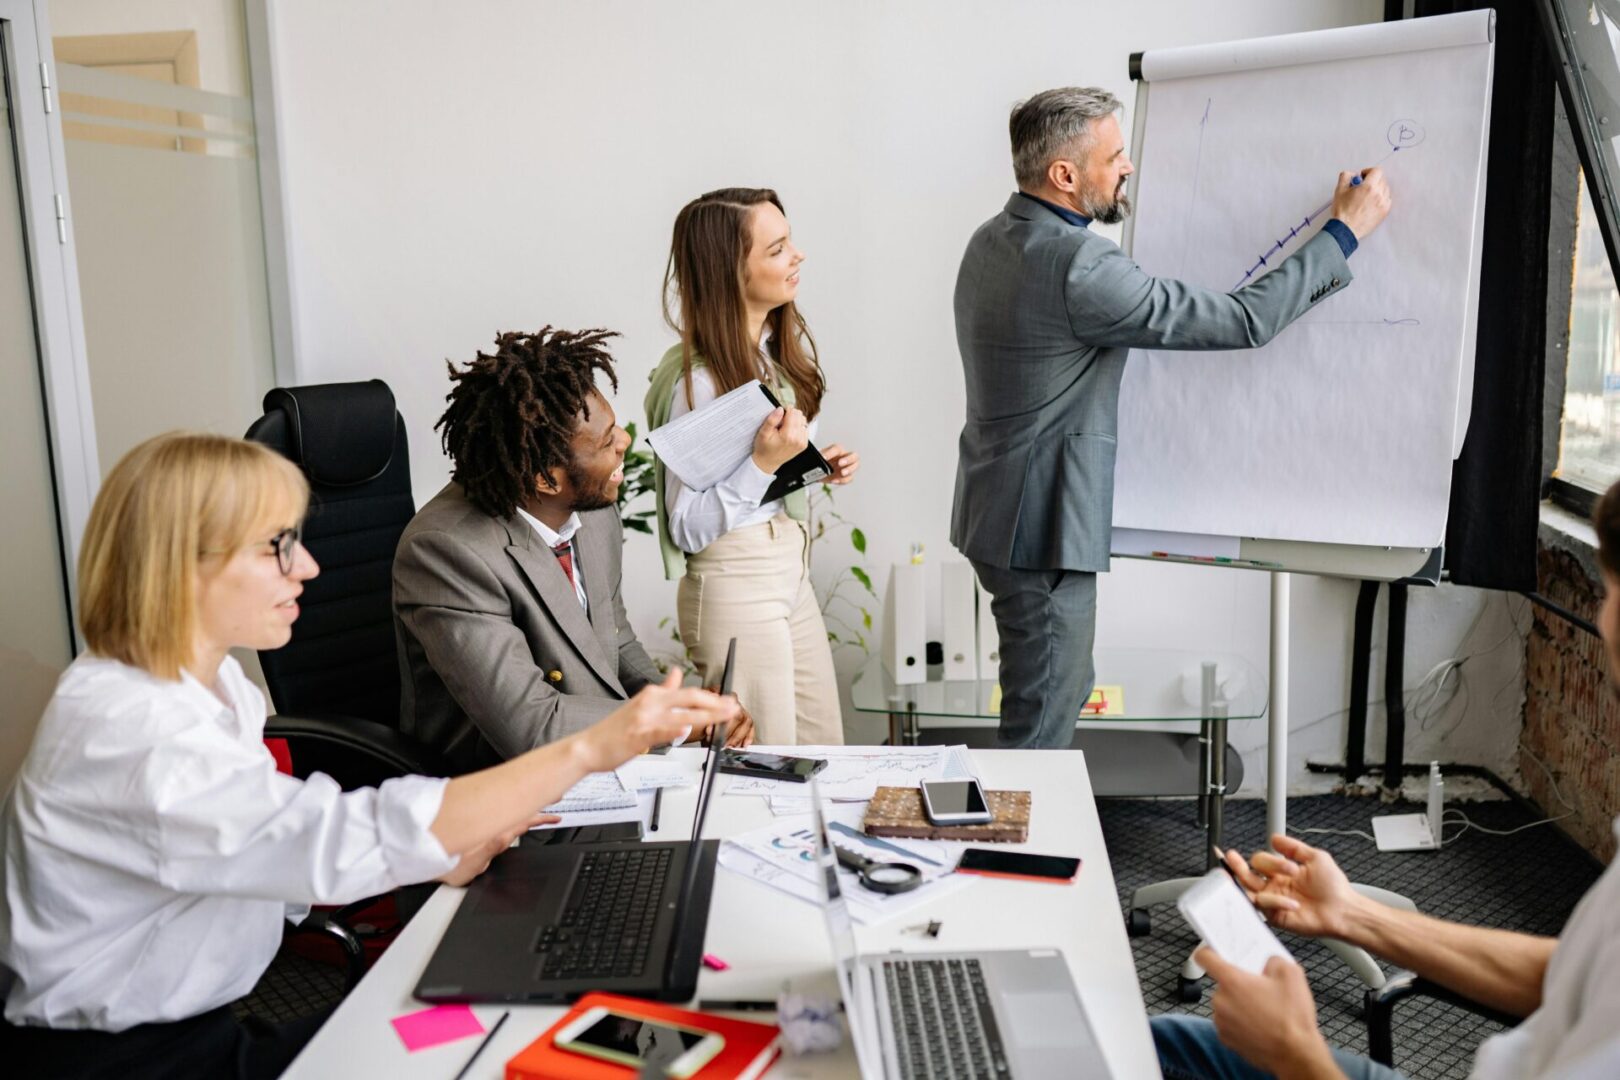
[989,640]
[959,616]
[905,617]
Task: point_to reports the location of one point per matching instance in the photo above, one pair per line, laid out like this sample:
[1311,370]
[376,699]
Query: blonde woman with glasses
[151,851]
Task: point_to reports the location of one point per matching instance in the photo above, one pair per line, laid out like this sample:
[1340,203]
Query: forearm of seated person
[1496,968]
[481,804]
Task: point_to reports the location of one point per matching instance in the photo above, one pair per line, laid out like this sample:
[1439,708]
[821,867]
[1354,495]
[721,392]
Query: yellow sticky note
[1105,701]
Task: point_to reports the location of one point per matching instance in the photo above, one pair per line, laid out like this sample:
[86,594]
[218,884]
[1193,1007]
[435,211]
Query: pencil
[658,804]
[483,1044]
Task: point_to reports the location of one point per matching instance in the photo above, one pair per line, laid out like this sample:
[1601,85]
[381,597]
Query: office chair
[1380,1008]
[335,685]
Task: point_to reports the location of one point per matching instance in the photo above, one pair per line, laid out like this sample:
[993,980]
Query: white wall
[521,163]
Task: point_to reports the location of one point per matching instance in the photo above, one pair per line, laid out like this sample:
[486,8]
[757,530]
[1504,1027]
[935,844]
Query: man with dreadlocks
[507,609]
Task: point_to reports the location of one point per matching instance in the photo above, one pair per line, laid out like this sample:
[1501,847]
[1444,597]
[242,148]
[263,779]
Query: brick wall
[1572,714]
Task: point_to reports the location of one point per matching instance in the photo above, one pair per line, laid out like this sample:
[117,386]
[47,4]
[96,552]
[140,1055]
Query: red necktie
[565,557]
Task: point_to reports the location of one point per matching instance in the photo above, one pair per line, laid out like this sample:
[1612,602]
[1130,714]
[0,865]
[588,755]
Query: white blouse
[150,851]
[699,518]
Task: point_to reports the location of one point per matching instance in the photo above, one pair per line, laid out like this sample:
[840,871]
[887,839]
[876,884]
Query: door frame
[54,273]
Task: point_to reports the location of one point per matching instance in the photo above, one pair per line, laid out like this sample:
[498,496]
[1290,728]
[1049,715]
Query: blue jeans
[1189,1049]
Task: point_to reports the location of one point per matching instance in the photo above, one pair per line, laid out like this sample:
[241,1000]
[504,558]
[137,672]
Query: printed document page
[706,446]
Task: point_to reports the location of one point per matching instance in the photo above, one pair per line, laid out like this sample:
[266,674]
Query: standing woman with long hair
[744,566]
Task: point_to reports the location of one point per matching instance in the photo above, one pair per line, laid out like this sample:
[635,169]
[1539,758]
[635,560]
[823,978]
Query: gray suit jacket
[1046,312]
[496,654]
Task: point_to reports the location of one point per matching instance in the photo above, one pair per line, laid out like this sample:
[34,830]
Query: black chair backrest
[350,442]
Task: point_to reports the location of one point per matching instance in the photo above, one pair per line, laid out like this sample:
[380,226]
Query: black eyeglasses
[285,545]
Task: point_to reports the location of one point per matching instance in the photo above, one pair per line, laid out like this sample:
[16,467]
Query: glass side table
[1157,685]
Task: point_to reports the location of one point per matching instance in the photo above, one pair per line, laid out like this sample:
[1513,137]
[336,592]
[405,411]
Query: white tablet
[1220,911]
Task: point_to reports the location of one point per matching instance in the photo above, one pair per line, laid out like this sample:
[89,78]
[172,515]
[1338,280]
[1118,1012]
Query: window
[1585,35]
[1589,451]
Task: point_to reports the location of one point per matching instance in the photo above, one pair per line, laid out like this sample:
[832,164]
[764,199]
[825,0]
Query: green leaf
[858,538]
[866,617]
[861,576]
[832,637]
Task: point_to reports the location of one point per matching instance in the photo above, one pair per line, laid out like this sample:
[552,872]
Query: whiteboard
[1344,428]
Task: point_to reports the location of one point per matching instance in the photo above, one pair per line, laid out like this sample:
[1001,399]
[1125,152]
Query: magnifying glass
[880,877]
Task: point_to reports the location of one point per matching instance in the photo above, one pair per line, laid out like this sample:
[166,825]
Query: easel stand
[1212,735]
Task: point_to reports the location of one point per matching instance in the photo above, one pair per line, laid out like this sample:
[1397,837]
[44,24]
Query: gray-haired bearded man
[1046,313]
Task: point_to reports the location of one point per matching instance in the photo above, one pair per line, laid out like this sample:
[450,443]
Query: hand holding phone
[1228,922]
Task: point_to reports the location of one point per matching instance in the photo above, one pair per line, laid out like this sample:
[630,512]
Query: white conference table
[769,937]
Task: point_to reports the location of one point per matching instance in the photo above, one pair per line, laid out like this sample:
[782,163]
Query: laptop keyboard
[942,1021]
[607,922]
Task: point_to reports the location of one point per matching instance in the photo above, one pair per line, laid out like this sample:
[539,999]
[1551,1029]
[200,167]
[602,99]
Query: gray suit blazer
[496,654]
[1046,312]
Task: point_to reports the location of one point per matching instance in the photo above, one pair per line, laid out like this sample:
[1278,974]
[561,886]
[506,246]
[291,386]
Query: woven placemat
[898,811]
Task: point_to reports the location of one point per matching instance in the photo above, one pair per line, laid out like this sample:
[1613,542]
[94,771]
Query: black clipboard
[802,470]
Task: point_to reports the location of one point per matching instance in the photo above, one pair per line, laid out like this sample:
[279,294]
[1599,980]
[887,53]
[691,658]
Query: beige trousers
[754,584]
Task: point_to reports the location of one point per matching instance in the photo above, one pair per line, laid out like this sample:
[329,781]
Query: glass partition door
[35,629]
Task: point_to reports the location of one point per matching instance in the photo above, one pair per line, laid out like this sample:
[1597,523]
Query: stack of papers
[598,791]
[599,799]
[647,772]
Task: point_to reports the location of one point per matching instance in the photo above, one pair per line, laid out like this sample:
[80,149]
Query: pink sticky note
[439,1024]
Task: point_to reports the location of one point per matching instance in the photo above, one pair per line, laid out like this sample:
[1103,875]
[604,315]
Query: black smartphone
[770,766]
[1018,864]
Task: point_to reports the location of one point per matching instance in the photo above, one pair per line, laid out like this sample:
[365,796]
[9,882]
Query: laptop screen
[859,1008]
[713,740]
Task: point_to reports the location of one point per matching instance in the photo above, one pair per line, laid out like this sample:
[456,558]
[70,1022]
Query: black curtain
[1495,485]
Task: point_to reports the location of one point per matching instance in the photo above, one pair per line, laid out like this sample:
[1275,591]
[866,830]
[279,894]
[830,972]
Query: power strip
[1414,832]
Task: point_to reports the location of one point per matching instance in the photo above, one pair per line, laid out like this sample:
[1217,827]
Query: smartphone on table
[1018,864]
[955,802]
[627,1039]
[770,766]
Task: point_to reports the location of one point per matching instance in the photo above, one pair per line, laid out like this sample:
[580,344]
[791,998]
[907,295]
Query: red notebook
[750,1047]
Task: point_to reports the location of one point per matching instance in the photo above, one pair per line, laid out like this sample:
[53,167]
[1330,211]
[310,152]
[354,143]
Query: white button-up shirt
[699,518]
[1572,1036]
[150,852]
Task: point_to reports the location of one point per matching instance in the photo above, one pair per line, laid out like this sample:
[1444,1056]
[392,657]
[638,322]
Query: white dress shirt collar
[552,537]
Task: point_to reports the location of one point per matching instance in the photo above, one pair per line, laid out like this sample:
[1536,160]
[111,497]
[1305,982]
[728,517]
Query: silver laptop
[1010,1013]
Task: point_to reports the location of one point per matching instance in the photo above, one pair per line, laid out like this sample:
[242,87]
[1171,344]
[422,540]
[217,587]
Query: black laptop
[551,922]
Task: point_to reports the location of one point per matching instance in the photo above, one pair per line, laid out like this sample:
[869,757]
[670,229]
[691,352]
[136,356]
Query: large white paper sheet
[853,773]
[1343,428]
[782,855]
[705,446]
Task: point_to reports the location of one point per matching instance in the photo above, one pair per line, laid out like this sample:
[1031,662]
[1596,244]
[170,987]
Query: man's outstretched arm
[1302,890]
